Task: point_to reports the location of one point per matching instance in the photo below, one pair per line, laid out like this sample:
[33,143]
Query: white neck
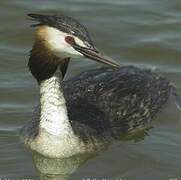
[54,118]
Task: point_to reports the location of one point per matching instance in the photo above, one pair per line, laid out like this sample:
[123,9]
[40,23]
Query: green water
[146,33]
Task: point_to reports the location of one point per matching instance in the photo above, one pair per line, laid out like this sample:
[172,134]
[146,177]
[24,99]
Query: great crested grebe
[84,114]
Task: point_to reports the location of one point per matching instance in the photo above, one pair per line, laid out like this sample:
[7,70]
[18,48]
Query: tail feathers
[177,97]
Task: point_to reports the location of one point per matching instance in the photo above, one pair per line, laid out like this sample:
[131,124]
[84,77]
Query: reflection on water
[137,32]
[50,168]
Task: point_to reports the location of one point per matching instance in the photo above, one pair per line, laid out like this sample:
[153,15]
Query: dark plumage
[109,102]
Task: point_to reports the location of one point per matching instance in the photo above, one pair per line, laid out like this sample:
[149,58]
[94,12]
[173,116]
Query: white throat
[53,117]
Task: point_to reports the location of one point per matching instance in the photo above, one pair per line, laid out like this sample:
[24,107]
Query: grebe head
[63,38]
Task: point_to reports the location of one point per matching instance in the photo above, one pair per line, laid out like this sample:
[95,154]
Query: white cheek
[79,42]
[56,40]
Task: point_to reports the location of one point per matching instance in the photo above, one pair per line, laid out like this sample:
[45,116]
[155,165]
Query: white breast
[55,138]
[53,117]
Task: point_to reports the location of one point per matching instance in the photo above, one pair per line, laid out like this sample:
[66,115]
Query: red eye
[70,40]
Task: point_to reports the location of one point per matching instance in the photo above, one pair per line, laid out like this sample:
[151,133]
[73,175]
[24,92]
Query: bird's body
[116,101]
[81,116]
[104,104]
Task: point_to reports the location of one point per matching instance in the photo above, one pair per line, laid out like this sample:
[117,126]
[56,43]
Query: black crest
[63,23]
